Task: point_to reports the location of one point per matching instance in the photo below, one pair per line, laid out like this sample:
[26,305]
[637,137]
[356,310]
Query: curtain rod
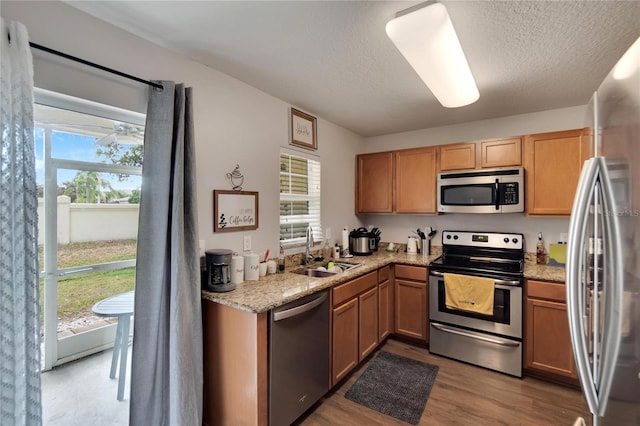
[94,65]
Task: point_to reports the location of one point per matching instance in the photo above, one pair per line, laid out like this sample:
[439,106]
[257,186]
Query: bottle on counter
[281,260]
[541,256]
[327,251]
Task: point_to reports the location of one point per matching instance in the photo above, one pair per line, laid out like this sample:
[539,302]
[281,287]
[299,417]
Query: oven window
[468,195]
[501,306]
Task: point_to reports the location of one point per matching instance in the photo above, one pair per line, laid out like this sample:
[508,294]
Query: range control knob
[455,237]
[448,237]
[515,241]
[506,240]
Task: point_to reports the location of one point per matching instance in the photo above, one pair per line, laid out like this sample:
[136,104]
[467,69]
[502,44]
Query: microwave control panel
[509,193]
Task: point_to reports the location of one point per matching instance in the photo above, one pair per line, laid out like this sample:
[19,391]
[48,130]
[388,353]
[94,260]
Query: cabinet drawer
[546,290]
[348,290]
[417,273]
[383,274]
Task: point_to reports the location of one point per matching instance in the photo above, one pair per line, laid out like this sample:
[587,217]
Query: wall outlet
[246,244]
[563,237]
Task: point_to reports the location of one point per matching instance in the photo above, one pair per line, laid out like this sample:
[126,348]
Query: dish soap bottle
[541,257]
[281,260]
[327,252]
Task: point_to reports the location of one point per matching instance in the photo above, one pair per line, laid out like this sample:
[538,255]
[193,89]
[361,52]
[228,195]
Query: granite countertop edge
[275,290]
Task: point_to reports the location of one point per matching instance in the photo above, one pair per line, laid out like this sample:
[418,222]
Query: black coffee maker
[218,277]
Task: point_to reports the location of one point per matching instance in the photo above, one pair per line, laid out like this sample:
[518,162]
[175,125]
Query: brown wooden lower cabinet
[368,322]
[411,316]
[235,365]
[411,309]
[385,316]
[344,339]
[547,341]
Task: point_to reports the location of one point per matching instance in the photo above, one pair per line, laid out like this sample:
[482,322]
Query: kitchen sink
[313,272]
[321,271]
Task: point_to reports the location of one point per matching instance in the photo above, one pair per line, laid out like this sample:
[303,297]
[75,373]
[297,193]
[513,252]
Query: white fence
[79,222]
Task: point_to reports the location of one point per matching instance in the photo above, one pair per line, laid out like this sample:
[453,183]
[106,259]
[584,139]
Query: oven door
[507,312]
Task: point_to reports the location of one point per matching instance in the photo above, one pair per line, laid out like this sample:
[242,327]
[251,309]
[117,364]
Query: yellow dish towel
[474,294]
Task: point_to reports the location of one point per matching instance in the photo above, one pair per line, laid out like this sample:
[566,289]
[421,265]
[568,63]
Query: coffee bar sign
[234,210]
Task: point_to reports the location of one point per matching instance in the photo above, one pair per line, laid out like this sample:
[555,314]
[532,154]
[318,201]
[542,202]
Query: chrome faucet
[308,257]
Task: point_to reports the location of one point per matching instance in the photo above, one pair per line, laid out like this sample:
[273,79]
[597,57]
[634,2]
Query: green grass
[78,293]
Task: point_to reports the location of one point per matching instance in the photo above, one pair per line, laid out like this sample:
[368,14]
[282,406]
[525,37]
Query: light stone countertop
[544,272]
[275,290]
[272,291]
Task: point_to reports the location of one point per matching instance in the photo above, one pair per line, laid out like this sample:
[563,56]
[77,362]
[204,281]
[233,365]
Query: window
[299,198]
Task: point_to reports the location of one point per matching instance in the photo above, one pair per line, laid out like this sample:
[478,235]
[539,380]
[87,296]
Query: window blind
[299,199]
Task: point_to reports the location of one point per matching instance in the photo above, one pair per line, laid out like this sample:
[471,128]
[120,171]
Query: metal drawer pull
[498,282]
[446,329]
[292,312]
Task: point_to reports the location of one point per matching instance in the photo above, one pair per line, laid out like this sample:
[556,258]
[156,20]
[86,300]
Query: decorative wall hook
[236,178]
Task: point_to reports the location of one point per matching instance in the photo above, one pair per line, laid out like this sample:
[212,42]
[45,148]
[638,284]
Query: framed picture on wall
[234,210]
[303,130]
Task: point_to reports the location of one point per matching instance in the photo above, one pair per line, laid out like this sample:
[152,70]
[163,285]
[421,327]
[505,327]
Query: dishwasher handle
[297,310]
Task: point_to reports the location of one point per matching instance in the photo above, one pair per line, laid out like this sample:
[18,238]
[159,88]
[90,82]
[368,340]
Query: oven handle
[500,342]
[497,282]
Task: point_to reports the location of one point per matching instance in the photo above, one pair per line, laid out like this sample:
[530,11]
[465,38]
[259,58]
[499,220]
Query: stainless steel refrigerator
[603,254]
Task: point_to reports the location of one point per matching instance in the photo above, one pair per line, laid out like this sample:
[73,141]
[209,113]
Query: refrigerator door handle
[575,263]
[613,290]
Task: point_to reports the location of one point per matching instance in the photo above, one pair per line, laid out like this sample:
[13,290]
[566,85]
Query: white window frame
[314,197]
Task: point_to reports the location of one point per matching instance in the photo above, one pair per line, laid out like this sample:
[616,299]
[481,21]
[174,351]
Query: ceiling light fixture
[428,41]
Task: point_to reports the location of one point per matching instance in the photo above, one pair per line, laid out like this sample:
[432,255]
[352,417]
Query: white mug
[271,267]
[262,269]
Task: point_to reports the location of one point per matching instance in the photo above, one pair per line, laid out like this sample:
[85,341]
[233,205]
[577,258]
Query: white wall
[398,227]
[77,221]
[234,123]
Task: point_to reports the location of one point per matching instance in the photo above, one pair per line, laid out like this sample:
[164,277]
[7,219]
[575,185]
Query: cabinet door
[548,345]
[501,153]
[374,183]
[384,310]
[411,309]
[553,162]
[368,322]
[458,156]
[415,186]
[344,339]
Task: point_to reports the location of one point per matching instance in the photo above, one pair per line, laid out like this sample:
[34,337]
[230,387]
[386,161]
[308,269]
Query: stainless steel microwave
[481,191]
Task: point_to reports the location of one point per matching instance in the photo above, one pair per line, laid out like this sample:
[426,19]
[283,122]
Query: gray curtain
[20,400]
[166,365]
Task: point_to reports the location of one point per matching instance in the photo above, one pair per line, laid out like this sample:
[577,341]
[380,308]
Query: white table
[120,306]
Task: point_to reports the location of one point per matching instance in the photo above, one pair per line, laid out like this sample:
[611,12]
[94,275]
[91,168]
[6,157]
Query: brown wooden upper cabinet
[553,162]
[458,156]
[482,154]
[401,181]
[374,183]
[501,153]
[415,187]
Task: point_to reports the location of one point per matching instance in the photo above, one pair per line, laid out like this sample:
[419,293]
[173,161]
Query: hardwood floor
[462,395]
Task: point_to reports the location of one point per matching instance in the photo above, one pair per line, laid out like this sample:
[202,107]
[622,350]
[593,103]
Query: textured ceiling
[334,60]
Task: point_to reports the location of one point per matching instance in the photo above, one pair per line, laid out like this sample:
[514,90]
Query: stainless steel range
[491,340]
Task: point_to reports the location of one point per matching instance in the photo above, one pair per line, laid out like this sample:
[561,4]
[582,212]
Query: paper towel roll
[251,272]
[237,269]
[345,241]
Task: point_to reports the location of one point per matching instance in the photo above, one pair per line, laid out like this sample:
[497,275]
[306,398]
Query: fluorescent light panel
[427,40]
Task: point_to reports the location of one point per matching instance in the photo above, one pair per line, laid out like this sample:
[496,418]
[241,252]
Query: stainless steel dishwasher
[298,357]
